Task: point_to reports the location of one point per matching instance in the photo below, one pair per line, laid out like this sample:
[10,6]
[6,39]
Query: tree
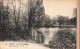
[53,22]
[74,19]
[75,12]
[60,20]
[36,9]
[4,14]
[1,13]
[63,20]
[43,21]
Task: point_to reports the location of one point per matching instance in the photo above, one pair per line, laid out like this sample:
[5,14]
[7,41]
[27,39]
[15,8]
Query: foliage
[73,21]
[64,38]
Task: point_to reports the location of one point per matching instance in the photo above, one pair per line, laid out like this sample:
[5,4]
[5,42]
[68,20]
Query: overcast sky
[59,7]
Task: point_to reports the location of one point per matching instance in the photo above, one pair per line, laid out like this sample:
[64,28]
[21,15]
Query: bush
[63,39]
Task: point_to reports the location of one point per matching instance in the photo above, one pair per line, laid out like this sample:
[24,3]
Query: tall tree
[74,19]
[36,9]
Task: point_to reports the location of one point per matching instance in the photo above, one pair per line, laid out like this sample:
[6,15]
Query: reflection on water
[48,33]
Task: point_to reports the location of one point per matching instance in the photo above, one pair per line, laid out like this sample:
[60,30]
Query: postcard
[39,24]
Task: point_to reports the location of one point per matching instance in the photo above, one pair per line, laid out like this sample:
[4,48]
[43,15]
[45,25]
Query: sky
[59,7]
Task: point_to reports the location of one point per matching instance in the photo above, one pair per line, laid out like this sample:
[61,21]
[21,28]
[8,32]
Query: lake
[48,33]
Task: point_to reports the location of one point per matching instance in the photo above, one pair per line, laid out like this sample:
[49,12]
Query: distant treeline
[45,21]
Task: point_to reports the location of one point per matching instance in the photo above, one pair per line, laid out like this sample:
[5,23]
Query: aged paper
[39,24]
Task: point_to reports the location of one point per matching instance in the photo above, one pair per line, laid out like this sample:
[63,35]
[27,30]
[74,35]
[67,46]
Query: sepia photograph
[38,24]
